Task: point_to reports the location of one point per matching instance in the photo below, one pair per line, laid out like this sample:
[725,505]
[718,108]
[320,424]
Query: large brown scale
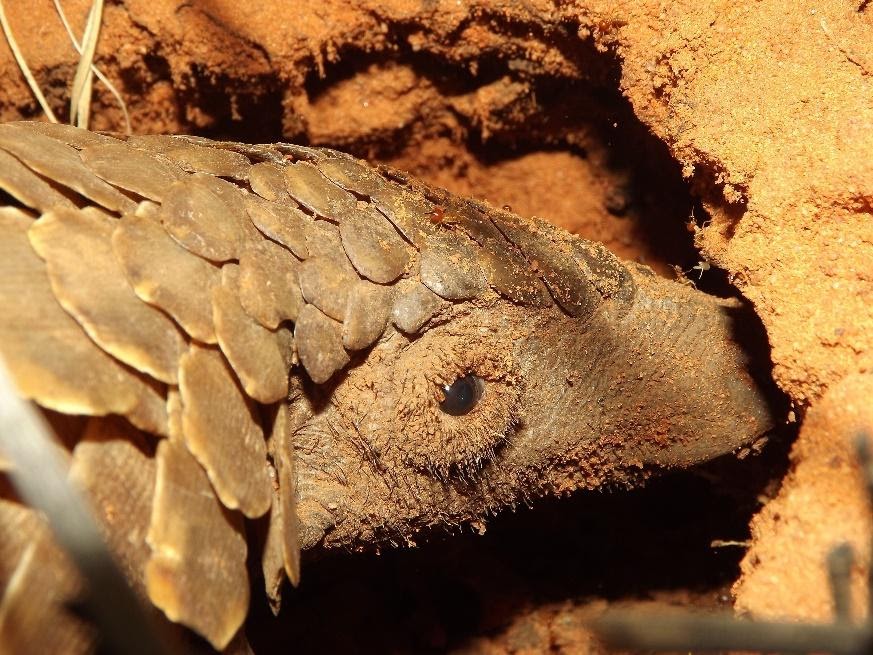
[167,285]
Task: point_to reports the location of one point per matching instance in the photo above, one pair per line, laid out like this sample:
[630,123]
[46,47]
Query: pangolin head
[519,361]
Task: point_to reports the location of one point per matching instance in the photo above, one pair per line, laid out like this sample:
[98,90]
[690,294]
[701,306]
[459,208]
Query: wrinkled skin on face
[566,404]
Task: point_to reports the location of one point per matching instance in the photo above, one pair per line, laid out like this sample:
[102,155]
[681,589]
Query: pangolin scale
[223,332]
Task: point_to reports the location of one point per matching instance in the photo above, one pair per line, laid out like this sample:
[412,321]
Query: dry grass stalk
[25,69]
[82,89]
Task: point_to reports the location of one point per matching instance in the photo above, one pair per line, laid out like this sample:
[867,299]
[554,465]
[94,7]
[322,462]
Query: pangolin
[249,351]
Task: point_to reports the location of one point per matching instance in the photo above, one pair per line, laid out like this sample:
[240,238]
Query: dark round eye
[462,395]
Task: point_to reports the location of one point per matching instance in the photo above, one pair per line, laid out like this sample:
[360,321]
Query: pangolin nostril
[462,395]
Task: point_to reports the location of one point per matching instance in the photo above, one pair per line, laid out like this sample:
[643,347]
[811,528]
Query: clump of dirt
[742,129]
[823,504]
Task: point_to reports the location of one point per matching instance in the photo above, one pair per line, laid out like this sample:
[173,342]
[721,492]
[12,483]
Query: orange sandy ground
[591,114]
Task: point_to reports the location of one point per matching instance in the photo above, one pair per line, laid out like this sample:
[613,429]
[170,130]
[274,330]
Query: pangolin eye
[462,395]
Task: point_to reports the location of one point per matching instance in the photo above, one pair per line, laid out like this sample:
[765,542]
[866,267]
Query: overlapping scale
[372,244]
[89,283]
[268,181]
[197,571]
[323,240]
[352,175]
[315,192]
[608,275]
[326,285]
[51,358]
[415,305]
[132,169]
[367,310]
[214,161]
[407,210]
[60,163]
[27,187]
[552,257]
[110,465]
[319,344]
[281,552]
[507,272]
[165,274]
[269,287]
[70,134]
[449,267]
[193,157]
[195,216]
[510,275]
[284,224]
[35,568]
[231,193]
[258,355]
[221,428]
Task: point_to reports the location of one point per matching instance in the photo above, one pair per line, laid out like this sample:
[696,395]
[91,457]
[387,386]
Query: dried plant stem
[25,69]
[97,73]
[40,477]
[80,98]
